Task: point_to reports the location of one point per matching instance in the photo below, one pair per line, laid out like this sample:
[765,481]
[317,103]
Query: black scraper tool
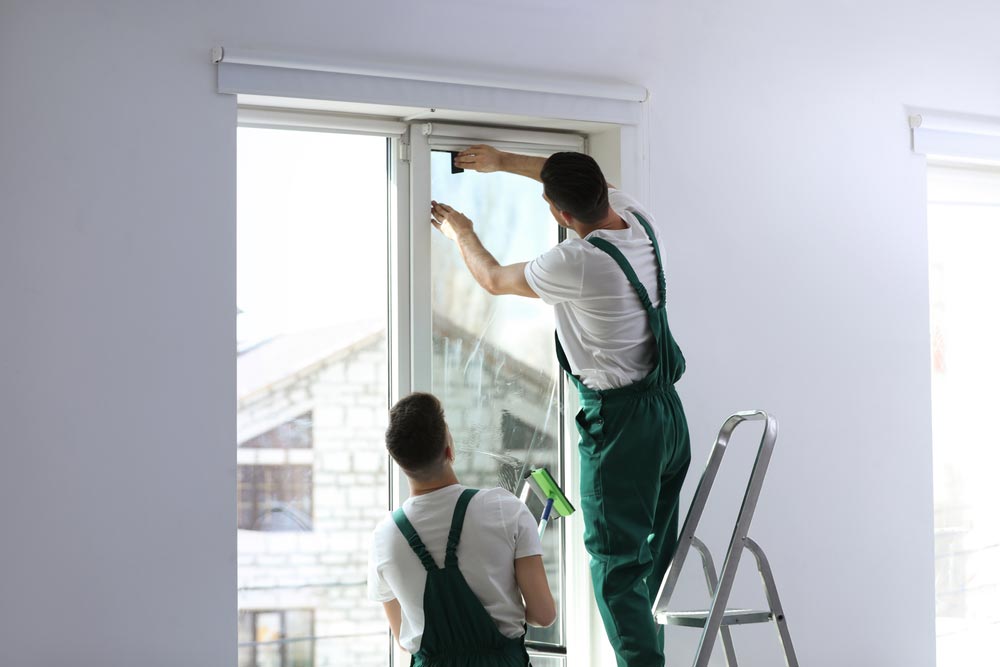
[454,169]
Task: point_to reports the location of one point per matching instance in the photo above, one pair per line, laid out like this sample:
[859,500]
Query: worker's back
[497,529]
[602,325]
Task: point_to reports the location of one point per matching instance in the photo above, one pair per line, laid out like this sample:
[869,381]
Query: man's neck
[611,221]
[420,488]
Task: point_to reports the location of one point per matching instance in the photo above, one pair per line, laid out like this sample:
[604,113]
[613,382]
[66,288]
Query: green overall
[458,631]
[634,454]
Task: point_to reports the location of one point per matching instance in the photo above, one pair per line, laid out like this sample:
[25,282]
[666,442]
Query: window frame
[618,146]
[424,139]
[939,170]
[397,334]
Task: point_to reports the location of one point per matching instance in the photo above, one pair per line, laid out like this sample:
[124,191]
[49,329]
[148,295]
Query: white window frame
[399,280]
[425,138]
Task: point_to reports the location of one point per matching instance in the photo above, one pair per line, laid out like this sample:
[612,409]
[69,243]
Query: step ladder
[717,619]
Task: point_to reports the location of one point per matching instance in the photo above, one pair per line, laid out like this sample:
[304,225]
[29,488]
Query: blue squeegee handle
[545,517]
[548,509]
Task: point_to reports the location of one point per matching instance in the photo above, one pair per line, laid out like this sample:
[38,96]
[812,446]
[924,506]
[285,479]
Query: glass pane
[275,497]
[299,624]
[964,232]
[539,660]
[245,639]
[494,364]
[312,387]
[268,637]
[292,434]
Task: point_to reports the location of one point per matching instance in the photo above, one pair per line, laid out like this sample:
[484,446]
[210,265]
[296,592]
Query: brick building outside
[313,477]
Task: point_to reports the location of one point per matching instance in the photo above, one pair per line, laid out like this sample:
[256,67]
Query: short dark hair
[417,433]
[574,183]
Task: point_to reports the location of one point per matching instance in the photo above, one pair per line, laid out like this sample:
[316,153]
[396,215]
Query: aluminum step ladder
[717,619]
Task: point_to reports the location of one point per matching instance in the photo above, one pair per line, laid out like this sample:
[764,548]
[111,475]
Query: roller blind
[569,98]
[444,136]
[956,136]
[250,116]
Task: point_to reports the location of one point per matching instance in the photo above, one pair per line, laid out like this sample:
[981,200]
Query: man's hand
[486,159]
[490,275]
[448,221]
[481,158]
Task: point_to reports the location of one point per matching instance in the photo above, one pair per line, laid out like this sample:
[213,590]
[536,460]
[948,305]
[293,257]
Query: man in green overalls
[459,571]
[613,340]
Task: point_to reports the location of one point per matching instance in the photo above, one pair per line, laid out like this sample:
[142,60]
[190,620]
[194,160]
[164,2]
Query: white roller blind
[444,136]
[569,98]
[250,116]
[956,136]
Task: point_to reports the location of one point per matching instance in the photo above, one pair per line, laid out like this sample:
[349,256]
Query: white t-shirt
[601,323]
[498,529]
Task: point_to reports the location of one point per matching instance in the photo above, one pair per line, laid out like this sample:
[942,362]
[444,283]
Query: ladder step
[697,619]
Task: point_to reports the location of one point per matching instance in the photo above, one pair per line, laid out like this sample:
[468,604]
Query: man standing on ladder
[613,340]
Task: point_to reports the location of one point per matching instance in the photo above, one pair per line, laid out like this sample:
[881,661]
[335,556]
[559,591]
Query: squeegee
[546,489]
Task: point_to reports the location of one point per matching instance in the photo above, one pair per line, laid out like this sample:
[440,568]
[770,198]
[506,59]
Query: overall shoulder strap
[660,280]
[457,521]
[410,533]
[619,258]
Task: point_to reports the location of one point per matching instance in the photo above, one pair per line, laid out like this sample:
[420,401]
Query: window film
[494,364]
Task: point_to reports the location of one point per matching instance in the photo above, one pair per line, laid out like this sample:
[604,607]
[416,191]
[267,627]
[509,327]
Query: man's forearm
[485,269]
[522,165]
[480,261]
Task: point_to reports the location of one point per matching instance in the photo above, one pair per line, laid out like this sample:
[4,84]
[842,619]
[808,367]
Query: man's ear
[449,447]
[567,218]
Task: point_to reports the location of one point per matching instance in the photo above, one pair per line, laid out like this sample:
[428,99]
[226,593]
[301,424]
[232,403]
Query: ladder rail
[712,579]
[771,591]
[699,501]
[736,543]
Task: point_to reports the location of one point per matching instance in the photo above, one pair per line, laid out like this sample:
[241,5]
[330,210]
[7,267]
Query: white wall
[797,265]
[799,269]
